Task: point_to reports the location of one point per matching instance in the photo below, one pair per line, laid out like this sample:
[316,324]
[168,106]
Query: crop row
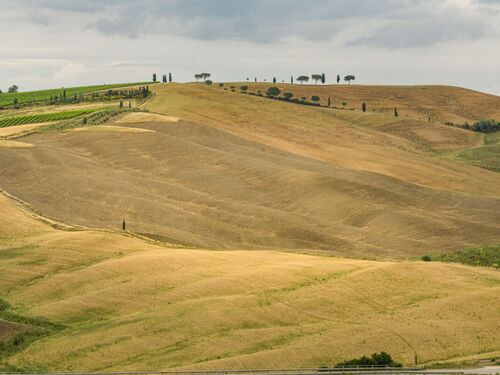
[43,117]
[7,99]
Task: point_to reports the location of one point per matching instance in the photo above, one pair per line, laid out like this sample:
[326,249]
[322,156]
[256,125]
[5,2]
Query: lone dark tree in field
[338,79]
[123,225]
[169,77]
[329,101]
[84,122]
[273,91]
[291,80]
[302,79]
[274,79]
[197,76]
[349,78]
[255,79]
[13,89]
[154,77]
[288,95]
[323,79]
[396,114]
[363,107]
[316,77]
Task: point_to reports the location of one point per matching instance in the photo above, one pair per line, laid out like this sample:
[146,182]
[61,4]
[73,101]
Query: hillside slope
[246,172]
[124,304]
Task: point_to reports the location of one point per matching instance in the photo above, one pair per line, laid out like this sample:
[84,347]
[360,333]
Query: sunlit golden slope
[239,171]
[127,304]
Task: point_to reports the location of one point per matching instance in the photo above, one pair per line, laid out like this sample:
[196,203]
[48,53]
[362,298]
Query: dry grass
[442,103]
[349,139]
[132,305]
[138,117]
[20,129]
[242,172]
[256,173]
[111,128]
[14,144]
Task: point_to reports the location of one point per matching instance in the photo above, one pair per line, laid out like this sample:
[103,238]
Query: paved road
[478,371]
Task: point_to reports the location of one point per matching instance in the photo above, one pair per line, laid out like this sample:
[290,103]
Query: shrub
[273,91]
[288,95]
[426,258]
[244,88]
[221,84]
[315,98]
[208,82]
[486,126]
[376,359]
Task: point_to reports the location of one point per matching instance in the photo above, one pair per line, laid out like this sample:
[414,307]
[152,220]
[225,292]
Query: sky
[56,43]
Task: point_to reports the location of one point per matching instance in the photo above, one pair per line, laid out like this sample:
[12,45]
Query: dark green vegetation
[376,359]
[43,117]
[487,256]
[45,95]
[483,126]
[18,331]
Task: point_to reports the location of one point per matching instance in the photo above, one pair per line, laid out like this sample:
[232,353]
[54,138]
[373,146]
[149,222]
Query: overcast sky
[54,43]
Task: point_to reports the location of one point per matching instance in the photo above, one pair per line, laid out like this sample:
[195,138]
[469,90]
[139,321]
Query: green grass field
[44,117]
[486,256]
[40,95]
[485,156]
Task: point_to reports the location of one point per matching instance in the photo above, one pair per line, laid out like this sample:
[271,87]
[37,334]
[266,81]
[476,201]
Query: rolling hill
[121,303]
[323,211]
[238,171]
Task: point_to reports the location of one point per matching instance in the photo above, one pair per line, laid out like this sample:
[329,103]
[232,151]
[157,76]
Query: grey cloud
[405,23]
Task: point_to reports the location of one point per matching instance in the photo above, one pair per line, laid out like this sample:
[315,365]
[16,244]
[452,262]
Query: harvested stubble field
[127,304]
[208,168]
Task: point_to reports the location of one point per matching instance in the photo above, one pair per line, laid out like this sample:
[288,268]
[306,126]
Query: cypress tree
[291,80]
[338,79]
[274,79]
[363,107]
[396,114]
[154,77]
[328,101]
[169,77]
[323,79]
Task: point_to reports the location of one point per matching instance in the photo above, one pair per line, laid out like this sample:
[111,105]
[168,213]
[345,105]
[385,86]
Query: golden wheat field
[260,233]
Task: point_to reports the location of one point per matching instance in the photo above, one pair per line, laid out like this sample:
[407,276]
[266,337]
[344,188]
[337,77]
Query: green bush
[244,88]
[426,258]
[376,359]
[315,98]
[273,91]
[288,95]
